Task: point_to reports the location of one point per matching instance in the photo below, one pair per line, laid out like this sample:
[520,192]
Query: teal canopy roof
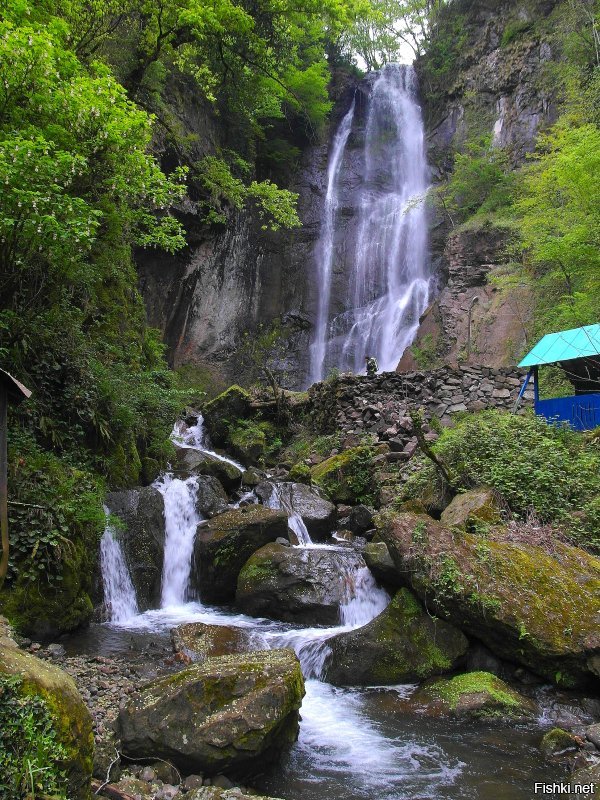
[564,346]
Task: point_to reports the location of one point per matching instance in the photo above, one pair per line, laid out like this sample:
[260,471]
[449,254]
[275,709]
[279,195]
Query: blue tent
[577,352]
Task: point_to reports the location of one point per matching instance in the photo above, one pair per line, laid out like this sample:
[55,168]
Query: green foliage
[348,477]
[481,182]
[425,354]
[559,217]
[514,30]
[534,466]
[30,753]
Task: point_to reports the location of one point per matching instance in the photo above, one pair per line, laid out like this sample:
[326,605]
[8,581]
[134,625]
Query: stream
[354,743]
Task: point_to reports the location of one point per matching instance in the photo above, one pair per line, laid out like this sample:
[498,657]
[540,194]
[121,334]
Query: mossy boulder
[222,412]
[216,793]
[142,538]
[230,714]
[71,720]
[198,462]
[296,584]
[473,508]
[200,641]
[226,542]
[529,605]
[379,561]
[402,644]
[348,477]
[474,694]
[558,742]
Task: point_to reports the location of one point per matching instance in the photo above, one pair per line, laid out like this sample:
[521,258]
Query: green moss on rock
[558,742]
[71,719]
[477,694]
[348,477]
[233,404]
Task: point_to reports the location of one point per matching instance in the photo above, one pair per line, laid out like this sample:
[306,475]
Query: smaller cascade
[364,600]
[119,593]
[281,500]
[181,521]
[196,437]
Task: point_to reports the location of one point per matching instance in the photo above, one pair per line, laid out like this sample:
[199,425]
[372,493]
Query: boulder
[211,498]
[379,561]
[558,743]
[529,605]
[215,793]
[360,520]
[296,584]
[71,721]
[226,542]
[229,714]
[191,461]
[142,511]
[200,641]
[474,694]
[587,780]
[473,507]
[401,645]
[318,514]
[232,405]
[347,477]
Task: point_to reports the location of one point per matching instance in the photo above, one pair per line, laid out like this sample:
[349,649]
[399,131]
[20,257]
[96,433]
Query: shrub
[30,753]
[535,466]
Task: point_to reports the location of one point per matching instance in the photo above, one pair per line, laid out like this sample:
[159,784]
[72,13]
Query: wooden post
[3,484]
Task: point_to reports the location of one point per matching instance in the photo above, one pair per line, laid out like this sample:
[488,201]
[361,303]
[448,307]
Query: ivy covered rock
[198,462]
[530,605]
[230,714]
[474,694]
[347,477]
[142,537]
[318,514]
[46,722]
[295,584]
[200,641]
[401,645]
[226,542]
[223,412]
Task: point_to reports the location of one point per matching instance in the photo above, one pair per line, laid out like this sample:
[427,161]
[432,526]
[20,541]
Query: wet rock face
[200,641]
[211,498]
[72,722]
[529,605]
[198,462]
[297,584]
[231,713]
[401,645]
[318,514]
[224,544]
[379,561]
[142,539]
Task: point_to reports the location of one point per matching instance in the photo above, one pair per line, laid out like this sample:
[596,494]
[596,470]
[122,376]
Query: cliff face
[492,82]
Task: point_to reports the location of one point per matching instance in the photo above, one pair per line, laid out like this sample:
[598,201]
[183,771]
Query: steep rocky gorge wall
[494,85]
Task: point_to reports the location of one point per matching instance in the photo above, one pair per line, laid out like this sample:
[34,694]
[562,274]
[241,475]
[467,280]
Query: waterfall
[181,521]
[364,599]
[197,437]
[281,500]
[325,247]
[119,593]
[383,255]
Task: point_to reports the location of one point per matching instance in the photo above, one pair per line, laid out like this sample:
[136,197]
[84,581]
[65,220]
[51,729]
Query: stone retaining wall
[357,404]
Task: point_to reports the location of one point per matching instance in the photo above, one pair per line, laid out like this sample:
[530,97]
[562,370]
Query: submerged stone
[230,714]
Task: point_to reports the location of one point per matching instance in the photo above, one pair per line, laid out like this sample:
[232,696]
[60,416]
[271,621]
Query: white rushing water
[388,278]
[181,522]
[281,500]
[197,438]
[119,593]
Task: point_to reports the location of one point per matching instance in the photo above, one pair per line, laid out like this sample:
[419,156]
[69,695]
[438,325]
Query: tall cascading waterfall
[372,272]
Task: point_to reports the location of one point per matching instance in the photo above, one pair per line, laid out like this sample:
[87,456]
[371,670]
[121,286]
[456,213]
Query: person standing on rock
[372,366]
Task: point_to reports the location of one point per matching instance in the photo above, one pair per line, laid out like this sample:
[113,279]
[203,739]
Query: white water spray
[181,521]
[388,280]
[119,593]
[280,499]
